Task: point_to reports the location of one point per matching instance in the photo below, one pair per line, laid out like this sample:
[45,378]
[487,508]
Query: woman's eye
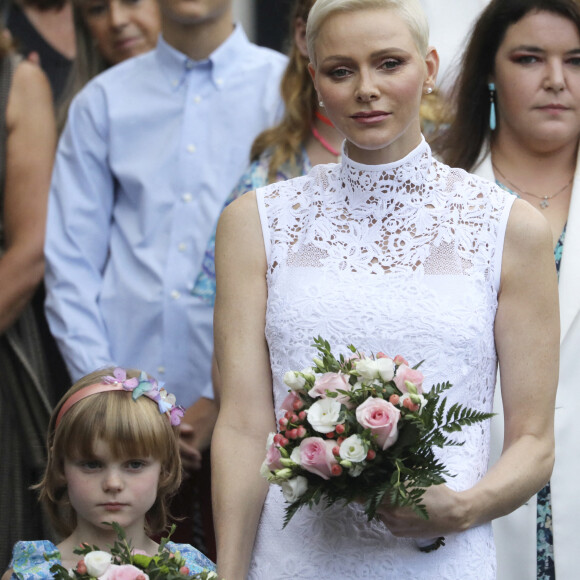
[339,73]
[391,64]
[574,61]
[526,59]
[96,9]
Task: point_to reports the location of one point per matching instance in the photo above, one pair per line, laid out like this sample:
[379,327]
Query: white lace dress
[403,258]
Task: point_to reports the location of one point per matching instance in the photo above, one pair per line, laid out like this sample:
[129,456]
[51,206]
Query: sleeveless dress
[403,258]
[29,563]
[25,397]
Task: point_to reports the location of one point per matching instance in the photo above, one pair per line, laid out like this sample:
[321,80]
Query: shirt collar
[221,62]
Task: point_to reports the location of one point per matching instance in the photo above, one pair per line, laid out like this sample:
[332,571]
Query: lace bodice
[403,258]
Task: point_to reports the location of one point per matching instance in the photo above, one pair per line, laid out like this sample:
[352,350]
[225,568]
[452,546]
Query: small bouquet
[361,428]
[123,563]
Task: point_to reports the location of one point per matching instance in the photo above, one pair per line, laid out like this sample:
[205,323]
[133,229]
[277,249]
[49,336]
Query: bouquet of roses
[123,563]
[361,428]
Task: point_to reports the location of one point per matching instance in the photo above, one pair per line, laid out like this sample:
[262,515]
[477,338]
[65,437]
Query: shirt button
[187,197]
[160,370]
[182,247]
[189,65]
[197,99]
[175,82]
[191,148]
[175,294]
[219,81]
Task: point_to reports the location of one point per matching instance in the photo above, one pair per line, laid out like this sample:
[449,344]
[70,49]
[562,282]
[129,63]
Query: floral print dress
[545,541]
[29,561]
[255,176]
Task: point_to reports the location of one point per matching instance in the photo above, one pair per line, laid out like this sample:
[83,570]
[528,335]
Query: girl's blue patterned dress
[545,540]
[29,563]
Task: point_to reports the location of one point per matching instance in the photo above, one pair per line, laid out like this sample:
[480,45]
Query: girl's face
[122,28]
[537,78]
[370,76]
[104,489]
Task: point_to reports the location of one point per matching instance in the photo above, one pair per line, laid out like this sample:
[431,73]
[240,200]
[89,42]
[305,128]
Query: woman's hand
[448,513]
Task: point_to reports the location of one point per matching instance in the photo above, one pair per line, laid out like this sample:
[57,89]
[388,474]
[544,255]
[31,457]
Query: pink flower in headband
[120,376]
[176,414]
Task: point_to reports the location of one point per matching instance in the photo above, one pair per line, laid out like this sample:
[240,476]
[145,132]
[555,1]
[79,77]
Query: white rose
[367,368]
[97,563]
[353,449]
[294,380]
[386,368]
[323,415]
[294,488]
[308,373]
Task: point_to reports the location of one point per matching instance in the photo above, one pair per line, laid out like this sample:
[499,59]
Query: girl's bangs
[131,428]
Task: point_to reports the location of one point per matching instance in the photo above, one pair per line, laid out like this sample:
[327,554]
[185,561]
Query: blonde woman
[395,252]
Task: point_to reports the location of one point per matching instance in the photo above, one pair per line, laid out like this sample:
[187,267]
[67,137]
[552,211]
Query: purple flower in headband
[120,376]
[176,414]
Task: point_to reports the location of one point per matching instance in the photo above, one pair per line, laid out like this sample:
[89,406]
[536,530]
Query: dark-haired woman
[27,142]
[518,123]
[44,29]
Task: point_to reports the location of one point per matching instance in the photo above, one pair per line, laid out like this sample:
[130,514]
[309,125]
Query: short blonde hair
[131,428]
[410,10]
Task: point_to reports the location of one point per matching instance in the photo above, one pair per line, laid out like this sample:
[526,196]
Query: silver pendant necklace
[544,203]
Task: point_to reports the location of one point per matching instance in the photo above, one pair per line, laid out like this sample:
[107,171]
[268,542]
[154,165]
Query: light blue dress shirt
[151,150]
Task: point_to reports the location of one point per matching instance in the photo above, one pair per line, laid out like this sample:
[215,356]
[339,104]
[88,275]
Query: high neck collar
[413,157]
[359,180]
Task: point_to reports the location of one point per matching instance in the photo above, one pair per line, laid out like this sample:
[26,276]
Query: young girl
[112,456]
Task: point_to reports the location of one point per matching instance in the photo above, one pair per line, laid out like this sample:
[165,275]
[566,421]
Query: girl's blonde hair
[132,428]
[410,10]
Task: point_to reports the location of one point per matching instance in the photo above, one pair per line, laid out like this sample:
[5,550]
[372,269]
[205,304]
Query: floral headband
[138,386]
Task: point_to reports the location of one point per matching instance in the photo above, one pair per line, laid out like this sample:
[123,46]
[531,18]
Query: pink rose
[406,374]
[315,455]
[288,402]
[124,572]
[399,360]
[273,456]
[332,382]
[381,417]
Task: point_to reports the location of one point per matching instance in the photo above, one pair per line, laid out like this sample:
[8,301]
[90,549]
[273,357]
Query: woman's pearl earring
[428,90]
[321,104]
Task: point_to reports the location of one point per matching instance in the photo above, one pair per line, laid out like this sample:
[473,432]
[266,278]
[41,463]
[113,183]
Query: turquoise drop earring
[492,119]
